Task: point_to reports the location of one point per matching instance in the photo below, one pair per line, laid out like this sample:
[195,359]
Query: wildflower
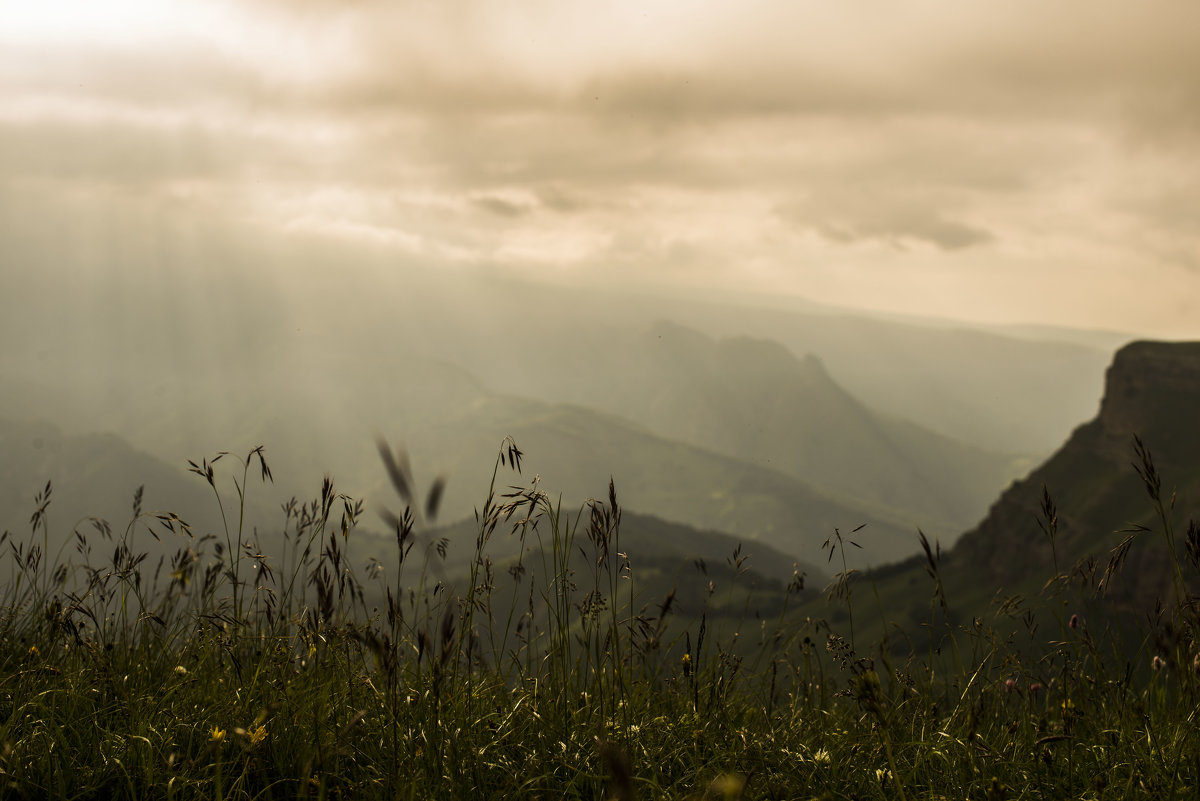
[33,651]
[258,735]
[1010,685]
[686,661]
[1035,688]
[181,670]
[1074,622]
[1158,663]
[727,786]
[1068,705]
[821,757]
[217,734]
[883,775]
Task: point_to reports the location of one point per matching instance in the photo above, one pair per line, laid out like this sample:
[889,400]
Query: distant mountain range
[697,401]
[1017,393]
[754,400]
[711,423]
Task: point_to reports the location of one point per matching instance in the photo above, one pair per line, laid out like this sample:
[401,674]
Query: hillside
[578,450]
[96,476]
[1151,391]
[748,579]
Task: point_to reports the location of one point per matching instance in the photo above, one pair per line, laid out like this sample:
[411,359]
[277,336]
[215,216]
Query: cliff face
[1152,390]
[1142,367]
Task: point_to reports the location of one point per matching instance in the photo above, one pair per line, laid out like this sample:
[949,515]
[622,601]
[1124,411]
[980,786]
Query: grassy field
[224,673]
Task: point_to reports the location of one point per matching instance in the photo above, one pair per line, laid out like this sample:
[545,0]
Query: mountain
[1098,498]
[316,369]
[754,400]
[1152,391]
[1016,390]
[1008,393]
[96,476]
[212,329]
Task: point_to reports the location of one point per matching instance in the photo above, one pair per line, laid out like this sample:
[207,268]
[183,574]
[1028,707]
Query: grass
[222,672]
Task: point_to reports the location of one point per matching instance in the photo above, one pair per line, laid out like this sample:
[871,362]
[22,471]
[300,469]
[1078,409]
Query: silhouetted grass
[226,672]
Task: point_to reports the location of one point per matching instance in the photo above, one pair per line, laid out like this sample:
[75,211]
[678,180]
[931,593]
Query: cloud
[166,76]
[503,206]
[561,201]
[897,230]
[638,141]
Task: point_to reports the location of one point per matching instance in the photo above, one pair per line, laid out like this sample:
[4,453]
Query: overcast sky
[1000,162]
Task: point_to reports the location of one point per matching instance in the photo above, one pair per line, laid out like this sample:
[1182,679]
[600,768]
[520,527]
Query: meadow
[220,671]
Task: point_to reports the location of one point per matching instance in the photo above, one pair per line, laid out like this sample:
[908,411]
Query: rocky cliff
[1152,390]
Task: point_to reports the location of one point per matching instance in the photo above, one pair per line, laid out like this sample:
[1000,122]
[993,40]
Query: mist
[873,279]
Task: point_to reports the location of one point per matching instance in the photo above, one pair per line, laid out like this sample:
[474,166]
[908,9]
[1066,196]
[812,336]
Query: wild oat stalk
[1153,483]
[842,585]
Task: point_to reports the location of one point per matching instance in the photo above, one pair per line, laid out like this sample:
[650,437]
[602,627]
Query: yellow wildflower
[217,734]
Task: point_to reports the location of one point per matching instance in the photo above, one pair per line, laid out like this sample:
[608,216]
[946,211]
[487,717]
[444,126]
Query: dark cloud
[558,199]
[503,207]
[886,211]
[729,90]
[1009,61]
[932,229]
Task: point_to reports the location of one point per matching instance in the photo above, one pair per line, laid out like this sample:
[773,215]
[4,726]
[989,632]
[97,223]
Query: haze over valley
[714,426]
[775,273]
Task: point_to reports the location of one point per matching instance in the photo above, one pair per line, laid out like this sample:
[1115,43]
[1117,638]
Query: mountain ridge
[1151,392]
[756,400]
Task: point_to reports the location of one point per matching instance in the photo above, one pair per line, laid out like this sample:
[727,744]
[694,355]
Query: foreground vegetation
[220,671]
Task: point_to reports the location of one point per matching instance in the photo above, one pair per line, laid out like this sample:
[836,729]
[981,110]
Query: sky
[1011,162]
